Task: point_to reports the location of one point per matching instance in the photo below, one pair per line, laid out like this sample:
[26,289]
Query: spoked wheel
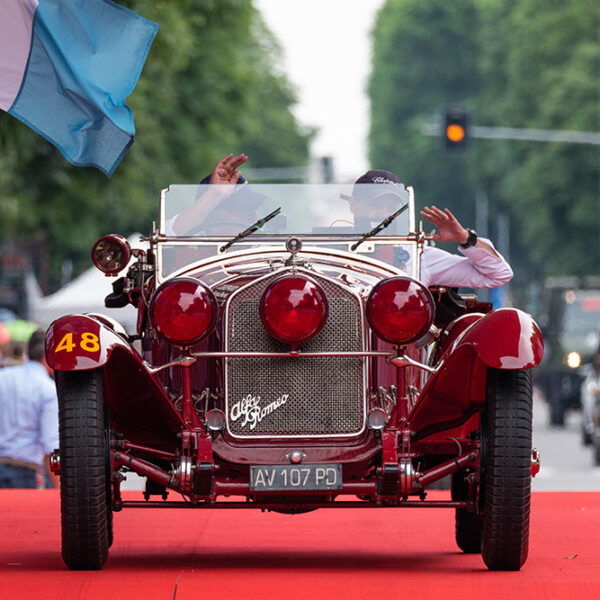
[506,465]
[468,526]
[86,517]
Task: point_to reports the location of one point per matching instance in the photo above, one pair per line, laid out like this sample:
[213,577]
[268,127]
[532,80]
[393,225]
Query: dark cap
[367,186]
[378,176]
[207,179]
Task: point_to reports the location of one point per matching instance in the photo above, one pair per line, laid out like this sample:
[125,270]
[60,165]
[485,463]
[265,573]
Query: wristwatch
[471,240]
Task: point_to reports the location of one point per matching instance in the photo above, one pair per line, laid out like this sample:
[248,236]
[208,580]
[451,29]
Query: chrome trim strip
[162,219]
[291,353]
[341,239]
[411,207]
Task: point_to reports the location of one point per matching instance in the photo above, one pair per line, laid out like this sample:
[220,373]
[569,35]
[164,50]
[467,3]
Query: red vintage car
[287,357]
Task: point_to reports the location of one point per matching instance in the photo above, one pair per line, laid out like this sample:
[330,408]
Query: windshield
[328,209]
[199,222]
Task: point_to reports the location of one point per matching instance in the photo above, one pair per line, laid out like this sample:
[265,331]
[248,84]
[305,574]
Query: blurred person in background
[28,419]
[12,354]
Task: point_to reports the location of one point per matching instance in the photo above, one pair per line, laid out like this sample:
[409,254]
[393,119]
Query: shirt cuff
[475,252]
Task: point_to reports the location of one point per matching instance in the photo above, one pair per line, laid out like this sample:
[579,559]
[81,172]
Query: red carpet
[371,553]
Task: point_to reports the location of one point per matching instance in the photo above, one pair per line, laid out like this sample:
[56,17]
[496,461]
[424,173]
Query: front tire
[507,469]
[83,469]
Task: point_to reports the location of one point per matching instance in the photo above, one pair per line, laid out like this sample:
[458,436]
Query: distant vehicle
[295,362]
[570,322]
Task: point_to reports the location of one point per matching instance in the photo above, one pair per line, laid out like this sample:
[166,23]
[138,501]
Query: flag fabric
[66,67]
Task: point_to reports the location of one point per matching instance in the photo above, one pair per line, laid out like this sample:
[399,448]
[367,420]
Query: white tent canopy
[84,294]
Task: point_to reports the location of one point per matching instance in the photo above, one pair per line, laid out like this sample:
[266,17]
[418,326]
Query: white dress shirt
[477,268]
[28,413]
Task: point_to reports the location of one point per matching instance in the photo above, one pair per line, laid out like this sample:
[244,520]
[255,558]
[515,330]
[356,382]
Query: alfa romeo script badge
[252,413]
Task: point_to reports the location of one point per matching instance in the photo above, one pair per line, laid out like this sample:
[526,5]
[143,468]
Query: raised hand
[225,170]
[224,173]
[448,228]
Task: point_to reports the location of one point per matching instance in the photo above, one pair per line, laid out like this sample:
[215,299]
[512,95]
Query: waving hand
[225,170]
[448,228]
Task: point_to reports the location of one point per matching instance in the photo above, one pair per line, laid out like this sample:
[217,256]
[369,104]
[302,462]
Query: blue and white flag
[66,67]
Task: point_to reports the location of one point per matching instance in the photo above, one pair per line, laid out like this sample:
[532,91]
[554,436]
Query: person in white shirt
[28,419]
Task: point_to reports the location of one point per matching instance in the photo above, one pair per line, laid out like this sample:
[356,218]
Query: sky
[327,55]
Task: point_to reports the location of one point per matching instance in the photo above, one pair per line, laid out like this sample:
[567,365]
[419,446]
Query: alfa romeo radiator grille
[270,396]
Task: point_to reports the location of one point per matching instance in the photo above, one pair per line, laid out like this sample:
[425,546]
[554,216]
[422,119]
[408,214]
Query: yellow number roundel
[88,343]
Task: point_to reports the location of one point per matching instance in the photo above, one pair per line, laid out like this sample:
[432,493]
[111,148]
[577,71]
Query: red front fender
[79,342]
[507,338]
[135,398]
[504,339]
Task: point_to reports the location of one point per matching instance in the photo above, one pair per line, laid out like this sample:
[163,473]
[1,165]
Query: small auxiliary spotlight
[377,419]
[215,420]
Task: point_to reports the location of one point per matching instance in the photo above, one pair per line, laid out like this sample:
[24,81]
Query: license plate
[295,477]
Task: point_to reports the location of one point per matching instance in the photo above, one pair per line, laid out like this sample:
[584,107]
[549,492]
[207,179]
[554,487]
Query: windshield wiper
[250,230]
[378,228]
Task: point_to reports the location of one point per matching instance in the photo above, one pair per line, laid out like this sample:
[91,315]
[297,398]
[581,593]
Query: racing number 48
[88,343]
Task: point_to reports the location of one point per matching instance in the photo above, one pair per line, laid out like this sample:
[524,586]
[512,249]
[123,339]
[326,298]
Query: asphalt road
[566,463]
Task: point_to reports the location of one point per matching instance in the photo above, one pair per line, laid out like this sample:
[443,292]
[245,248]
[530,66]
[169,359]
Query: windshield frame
[273,244]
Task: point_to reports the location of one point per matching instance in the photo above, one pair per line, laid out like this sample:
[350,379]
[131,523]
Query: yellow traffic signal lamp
[455,132]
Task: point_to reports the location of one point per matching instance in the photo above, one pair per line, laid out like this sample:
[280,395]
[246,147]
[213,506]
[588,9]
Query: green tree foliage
[550,67]
[425,58]
[210,86]
[525,64]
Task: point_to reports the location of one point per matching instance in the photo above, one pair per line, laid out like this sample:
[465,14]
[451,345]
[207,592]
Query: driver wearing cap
[481,265]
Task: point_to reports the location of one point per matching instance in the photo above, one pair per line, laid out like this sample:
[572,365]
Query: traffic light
[455,132]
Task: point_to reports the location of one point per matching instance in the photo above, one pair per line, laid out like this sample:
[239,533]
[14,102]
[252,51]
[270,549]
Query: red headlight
[293,309]
[111,253]
[183,311]
[400,310]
